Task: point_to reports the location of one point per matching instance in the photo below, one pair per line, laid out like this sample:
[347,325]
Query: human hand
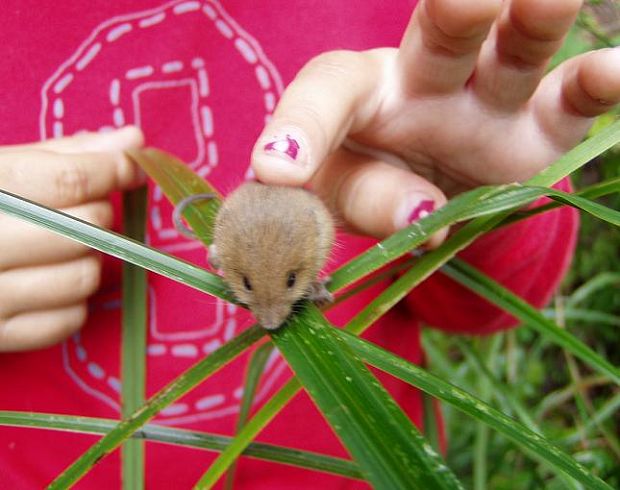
[45,279]
[462,102]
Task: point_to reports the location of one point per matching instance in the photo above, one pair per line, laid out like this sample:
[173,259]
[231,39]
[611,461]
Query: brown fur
[264,233]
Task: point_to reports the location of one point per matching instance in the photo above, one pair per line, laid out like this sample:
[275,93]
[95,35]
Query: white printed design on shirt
[126,65]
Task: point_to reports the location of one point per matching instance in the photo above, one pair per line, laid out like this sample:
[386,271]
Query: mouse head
[271,298]
[270,248]
[269,271]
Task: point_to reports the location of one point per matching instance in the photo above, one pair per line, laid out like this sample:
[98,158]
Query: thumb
[372,197]
[329,98]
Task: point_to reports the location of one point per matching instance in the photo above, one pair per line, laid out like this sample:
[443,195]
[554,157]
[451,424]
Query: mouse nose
[272,317]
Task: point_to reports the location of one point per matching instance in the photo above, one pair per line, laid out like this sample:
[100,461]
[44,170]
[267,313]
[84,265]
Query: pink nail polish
[287,146]
[423,209]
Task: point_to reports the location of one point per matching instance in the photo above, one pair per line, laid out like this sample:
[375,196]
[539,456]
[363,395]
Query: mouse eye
[290,280]
[246,283]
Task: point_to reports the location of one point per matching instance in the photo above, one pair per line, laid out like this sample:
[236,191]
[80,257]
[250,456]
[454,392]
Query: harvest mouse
[271,243]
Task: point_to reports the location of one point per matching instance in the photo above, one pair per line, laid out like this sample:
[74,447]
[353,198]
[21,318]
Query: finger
[526,36]
[38,329]
[24,244]
[63,180]
[48,286]
[574,93]
[375,198]
[126,138]
[438,52]
[329,97]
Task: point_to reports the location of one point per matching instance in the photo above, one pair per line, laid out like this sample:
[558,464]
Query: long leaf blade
[384,442]
[178,181]
[249,431]
[187,438]
[578,156]
[413,236]
[115,245]
[485,286]
[255,368]
[427,264]
[133,342]
[174,390]
[416,376]
[479,203]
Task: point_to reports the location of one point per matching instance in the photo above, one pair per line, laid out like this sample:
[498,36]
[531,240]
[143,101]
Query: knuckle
[310,114]
[336,63]
[314,120]
[441,44]
[71,183]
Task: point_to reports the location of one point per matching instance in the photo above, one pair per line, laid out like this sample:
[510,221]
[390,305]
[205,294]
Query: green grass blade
[182,437]
[133,343]
[590,316]
[606,411]
[594,191]
[501,392]
[425,266]
[429,420]
[480,469]
[601,281]
[479,202]
[497,294]
[256,366]
[598,210]
[178,181]
[247,434]
[466,235]
[174,390]
[115,245]
[512,198]
[417,233]
[578,156]
[463,401]
[552,401]
[389,297]
[383,441]
[460,208]
[390,451]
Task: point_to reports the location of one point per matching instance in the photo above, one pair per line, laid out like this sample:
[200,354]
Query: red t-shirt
[200,78]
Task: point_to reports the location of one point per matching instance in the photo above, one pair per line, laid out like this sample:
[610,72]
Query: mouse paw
[213,258]
[319,293]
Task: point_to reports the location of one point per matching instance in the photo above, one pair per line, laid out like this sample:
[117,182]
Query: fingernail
[415,207]
[285,144]
[423,209]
